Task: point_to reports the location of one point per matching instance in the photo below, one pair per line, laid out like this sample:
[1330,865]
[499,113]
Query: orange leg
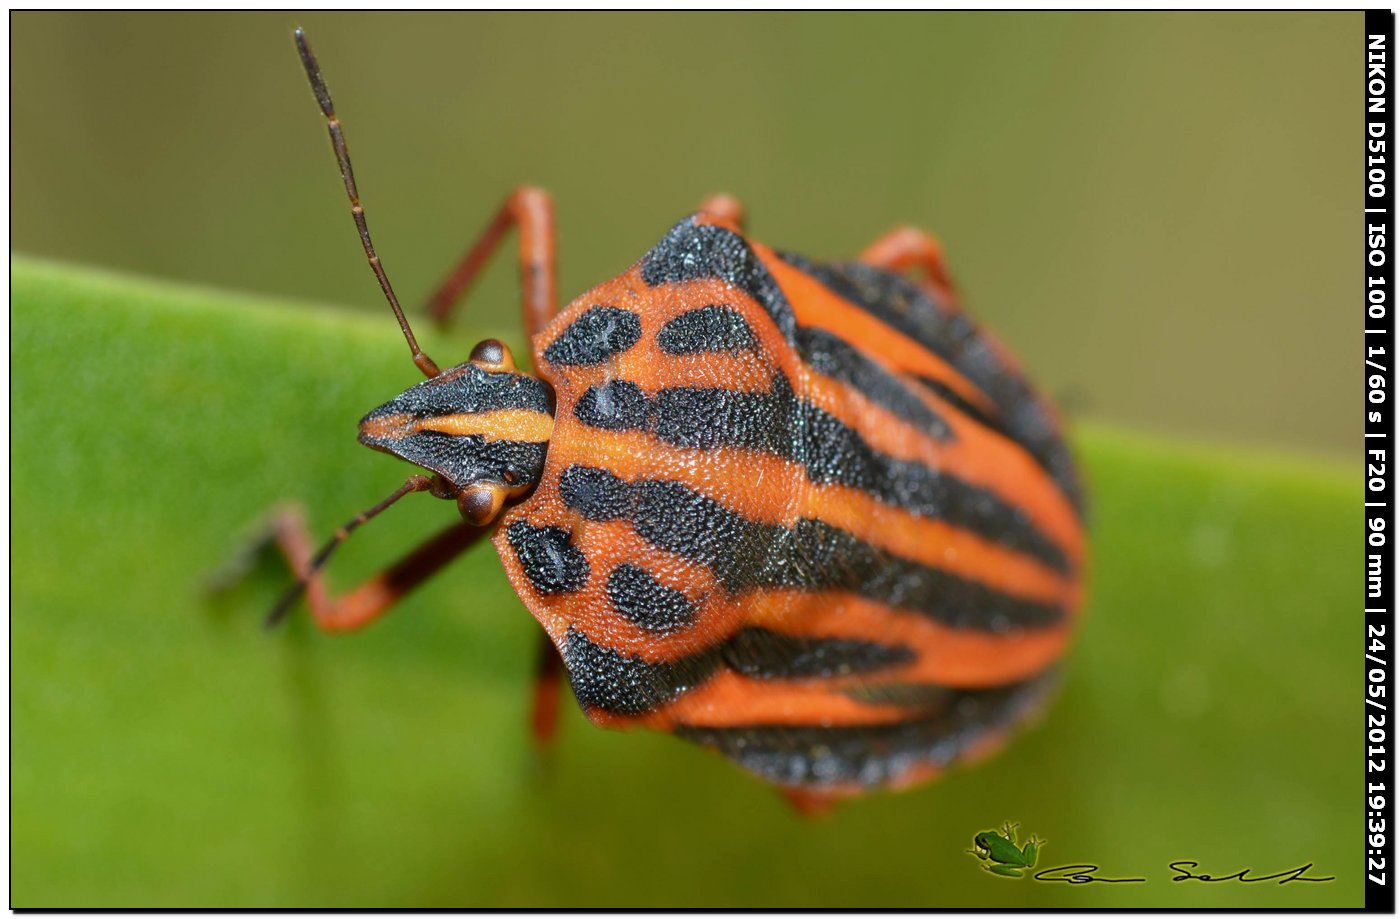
[909,247]
[376,596]
[809,803]
[725,207]
[531,211]
[549,685]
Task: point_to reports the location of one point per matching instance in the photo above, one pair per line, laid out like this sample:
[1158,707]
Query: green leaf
[169,752]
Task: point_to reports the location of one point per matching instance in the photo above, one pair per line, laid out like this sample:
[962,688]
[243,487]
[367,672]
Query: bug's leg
[725,207]
[363,604]
[909,247]
[531,212]
[549,685]
[809,803]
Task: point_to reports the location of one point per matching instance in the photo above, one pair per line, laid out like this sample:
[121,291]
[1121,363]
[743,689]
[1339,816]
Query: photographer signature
[1002,854]
[1088,874]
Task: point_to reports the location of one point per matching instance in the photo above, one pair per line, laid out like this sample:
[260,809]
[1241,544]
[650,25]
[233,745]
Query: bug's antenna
[342,155]
[318,561]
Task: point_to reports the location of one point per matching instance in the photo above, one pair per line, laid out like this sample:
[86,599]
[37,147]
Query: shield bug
[806,514]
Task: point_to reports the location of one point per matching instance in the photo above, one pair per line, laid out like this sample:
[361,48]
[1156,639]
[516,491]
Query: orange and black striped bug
[806,514]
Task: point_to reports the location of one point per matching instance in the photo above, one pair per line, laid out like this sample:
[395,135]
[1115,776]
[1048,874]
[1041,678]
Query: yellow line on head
[501,424]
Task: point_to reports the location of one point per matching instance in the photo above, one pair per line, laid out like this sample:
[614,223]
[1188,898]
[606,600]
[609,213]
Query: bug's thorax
[483,427]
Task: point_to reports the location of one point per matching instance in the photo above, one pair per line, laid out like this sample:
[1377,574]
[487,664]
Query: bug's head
[482,426]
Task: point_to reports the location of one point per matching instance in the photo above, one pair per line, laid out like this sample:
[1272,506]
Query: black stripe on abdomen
[831,453]
[613,681]
[765,654]
[811,555]
[872,755]
[951,335]
[948,394]
[833,356]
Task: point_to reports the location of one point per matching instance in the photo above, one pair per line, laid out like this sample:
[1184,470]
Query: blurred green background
[1154,210]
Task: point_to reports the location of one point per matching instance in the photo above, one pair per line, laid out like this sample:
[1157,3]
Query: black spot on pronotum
[709,329]
[647,602]
[619,405]
[593,338]
[692,251]
[616,682]
[548,557]
[596,493]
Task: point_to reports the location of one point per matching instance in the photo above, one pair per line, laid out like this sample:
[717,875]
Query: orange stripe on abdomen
[975,454]
[815,305]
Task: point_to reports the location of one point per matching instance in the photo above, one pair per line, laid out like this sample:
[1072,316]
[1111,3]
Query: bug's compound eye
[481,502]
[492,355]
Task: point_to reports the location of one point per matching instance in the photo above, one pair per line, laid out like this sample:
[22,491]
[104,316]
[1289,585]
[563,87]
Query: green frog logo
[1001,854]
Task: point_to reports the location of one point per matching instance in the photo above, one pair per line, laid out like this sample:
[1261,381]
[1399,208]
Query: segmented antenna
[342,155]
[318,561]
